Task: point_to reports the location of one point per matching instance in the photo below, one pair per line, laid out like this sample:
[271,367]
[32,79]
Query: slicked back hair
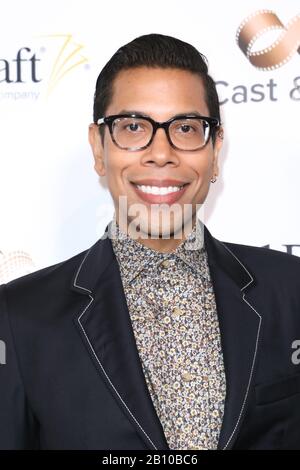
[159,51]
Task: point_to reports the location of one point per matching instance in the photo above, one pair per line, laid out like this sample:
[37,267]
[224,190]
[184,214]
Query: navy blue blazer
[72,377]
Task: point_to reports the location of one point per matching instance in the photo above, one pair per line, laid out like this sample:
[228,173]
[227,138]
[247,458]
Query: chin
[164,230]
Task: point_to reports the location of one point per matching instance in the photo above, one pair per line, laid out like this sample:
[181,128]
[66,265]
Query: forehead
[158,92]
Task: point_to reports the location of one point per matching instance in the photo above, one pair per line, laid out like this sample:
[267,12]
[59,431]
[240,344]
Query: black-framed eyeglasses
[136,132]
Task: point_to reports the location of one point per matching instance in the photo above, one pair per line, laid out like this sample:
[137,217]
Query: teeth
[158,190]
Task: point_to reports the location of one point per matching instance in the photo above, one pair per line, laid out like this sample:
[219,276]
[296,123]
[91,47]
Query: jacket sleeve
[18,427]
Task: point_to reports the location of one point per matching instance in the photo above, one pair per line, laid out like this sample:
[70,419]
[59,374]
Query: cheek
[203,166]
[113,160]
[116,164]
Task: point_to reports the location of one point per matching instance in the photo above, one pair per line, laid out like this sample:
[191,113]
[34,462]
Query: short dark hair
[159,51]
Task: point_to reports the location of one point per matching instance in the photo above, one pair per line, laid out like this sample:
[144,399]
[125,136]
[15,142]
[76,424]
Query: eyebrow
[135,111]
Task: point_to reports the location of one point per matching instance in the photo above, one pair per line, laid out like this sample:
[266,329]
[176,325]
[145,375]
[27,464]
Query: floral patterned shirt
[171,304]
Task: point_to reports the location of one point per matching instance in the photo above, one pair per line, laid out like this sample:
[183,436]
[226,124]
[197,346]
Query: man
[154,342]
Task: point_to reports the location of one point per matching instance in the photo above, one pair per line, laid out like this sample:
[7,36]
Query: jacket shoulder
[267,261]
[262,252]
[56,275]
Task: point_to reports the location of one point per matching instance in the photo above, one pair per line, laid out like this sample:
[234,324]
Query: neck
[163,245]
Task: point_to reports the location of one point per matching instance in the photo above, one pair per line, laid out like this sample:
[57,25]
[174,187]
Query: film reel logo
[281,51]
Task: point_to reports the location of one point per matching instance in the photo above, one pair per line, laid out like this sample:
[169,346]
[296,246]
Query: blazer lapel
[240,327]
[105,326]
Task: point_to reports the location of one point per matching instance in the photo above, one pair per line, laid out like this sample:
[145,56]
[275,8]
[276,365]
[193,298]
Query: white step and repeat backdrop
[52,202]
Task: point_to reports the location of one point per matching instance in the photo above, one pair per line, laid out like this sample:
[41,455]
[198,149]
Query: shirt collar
[133,256]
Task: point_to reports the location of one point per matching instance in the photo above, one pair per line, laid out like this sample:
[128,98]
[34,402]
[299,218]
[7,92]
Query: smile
[159,194]
[159,190]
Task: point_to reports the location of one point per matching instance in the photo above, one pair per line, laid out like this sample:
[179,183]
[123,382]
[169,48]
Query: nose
[160,151]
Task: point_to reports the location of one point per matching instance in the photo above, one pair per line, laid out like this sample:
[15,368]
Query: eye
[186,128]
[190,127]
[134,127]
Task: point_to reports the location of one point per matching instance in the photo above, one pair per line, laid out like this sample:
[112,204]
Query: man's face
[160,94]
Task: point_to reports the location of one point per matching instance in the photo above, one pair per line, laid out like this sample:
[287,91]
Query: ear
[97,148]
[217,147]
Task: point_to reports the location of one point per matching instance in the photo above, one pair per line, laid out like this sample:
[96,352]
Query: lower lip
[170,198]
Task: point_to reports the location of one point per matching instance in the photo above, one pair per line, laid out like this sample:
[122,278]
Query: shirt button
[177,312]
[165,263]
[166,320]
[186,376]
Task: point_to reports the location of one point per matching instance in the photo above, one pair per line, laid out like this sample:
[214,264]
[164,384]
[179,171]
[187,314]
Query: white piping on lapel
[256,346]
[254,356]
[94,353]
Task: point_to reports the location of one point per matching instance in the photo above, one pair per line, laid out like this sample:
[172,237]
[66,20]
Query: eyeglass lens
[185,134]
